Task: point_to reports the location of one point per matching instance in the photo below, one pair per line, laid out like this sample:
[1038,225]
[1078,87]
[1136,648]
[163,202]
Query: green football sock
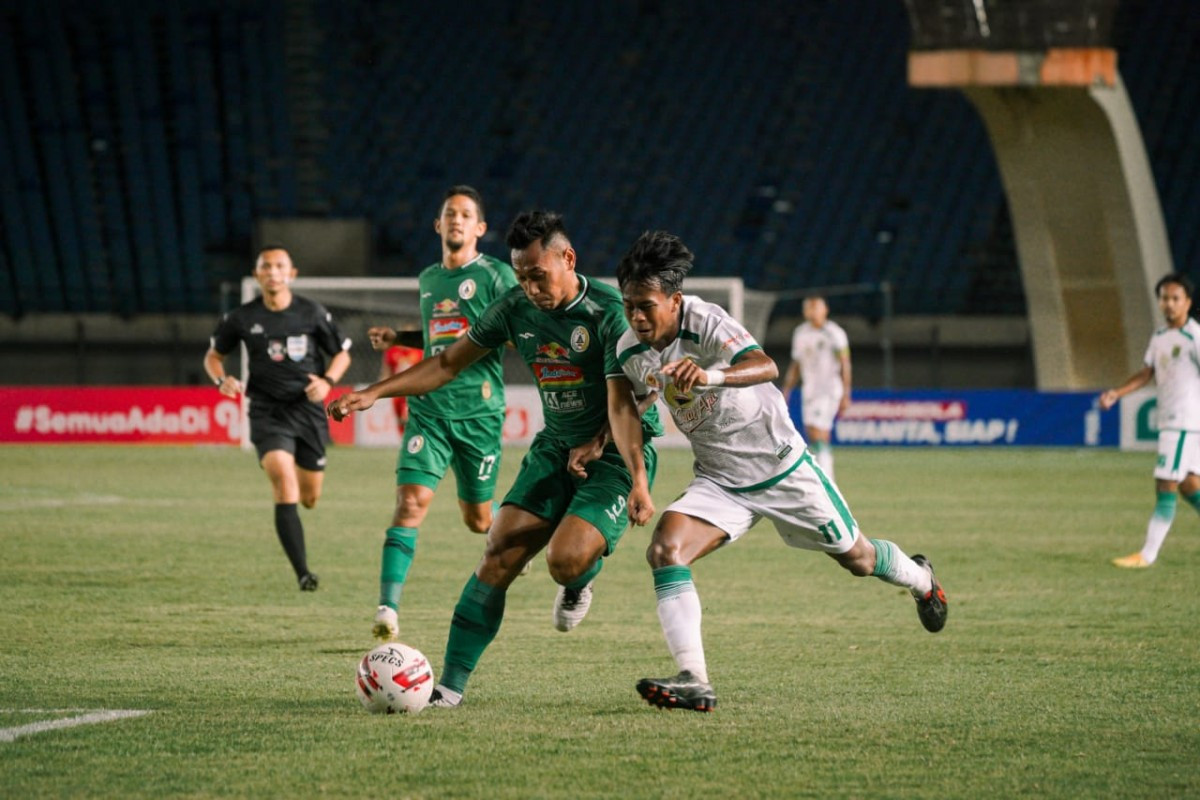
[476,621]
[398,551]
[1193,500]
[587,577]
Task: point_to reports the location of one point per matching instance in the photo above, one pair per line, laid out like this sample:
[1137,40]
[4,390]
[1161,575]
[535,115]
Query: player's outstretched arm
[626,425]
[755,367]
[422,378]
[1135,381]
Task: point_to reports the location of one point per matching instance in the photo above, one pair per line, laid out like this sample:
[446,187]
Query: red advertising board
[118,415]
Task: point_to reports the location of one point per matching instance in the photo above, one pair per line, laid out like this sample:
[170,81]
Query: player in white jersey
[750,461]
[1173,361]
[821,365]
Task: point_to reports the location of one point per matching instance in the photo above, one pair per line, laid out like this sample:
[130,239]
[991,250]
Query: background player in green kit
[565,327]
[456,426]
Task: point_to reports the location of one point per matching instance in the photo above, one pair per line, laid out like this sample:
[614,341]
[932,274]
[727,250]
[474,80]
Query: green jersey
[452,300]
[571,352]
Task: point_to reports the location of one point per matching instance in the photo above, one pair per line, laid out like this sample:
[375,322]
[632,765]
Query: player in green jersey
[565,327]
[459,425]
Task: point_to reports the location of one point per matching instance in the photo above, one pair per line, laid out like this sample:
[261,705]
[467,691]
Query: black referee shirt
[285,347]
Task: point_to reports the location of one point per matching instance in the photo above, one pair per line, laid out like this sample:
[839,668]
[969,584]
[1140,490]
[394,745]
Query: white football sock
[1159,526]
[895,567]
[679,613]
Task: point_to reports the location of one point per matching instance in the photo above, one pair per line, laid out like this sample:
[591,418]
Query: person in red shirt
[396,359]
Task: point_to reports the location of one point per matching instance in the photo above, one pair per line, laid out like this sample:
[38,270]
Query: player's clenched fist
[685,374]
[347,404]
[381,337]
[640,506]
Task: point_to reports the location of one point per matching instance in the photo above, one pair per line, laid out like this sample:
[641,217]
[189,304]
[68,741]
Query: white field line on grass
[28,503]
[93,718]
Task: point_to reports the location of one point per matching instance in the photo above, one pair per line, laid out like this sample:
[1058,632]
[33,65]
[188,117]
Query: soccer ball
[394,679]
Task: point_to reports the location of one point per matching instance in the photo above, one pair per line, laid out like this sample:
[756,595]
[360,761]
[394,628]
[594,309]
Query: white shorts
[819,410]
[808,510]
[1178,454]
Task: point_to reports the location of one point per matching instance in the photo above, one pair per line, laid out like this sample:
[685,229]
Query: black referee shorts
[299,428]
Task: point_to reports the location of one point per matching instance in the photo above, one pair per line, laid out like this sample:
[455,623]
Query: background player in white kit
[1173,360]
[821,365]
[750,461]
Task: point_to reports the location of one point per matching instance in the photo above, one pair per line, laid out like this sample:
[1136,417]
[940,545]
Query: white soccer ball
[394,679]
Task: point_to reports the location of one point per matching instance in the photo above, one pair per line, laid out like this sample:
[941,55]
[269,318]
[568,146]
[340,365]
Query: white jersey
[741,437]
[818,352]
[1174,355]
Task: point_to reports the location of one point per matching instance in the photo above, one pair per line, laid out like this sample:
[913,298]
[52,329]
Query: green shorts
[471,447]
[544,487]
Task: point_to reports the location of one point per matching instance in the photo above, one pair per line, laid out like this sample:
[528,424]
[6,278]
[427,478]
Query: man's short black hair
[535,226]
[658,259]
[271,246]
[1179,279]
[466,191]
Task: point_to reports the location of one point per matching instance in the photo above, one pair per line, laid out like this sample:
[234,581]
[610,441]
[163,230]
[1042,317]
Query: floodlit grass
[150,578]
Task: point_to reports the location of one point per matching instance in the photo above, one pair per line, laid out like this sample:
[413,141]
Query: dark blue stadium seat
[780,139]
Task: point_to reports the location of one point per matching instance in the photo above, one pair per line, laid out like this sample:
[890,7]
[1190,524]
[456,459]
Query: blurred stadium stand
[142,140]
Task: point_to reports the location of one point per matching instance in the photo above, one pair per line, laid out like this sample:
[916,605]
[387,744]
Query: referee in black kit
[288,339]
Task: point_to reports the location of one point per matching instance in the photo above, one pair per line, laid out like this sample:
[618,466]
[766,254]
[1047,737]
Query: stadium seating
[780,140]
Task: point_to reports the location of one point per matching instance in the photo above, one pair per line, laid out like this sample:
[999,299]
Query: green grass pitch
[150,579]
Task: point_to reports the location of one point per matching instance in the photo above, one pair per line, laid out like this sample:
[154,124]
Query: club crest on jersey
[297,347]
[485,390]
[275,350]
[446,306]
[466,289]
[580,339]
[554,352]
[415,444]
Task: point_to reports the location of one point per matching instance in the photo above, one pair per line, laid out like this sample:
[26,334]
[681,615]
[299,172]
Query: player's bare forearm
[791,378]
[431,373]
[422,378]
[1135,381]
[626,427]
[644,403]
[847,381]
[754,368]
